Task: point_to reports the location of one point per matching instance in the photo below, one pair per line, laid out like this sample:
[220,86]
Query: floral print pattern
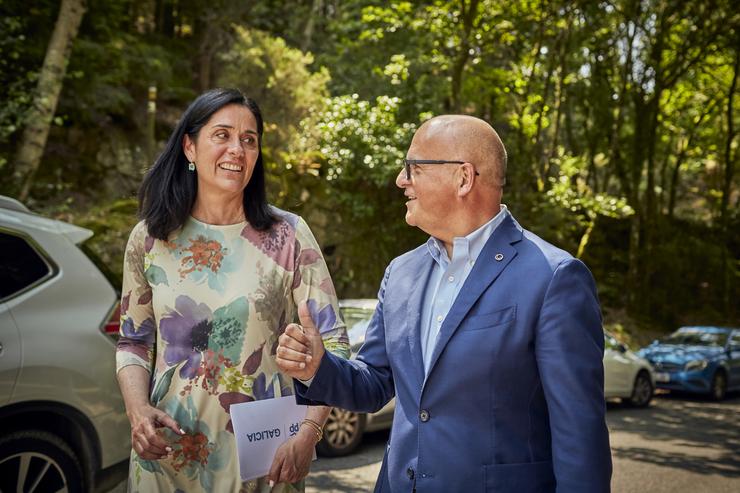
[202,312]
[206,254]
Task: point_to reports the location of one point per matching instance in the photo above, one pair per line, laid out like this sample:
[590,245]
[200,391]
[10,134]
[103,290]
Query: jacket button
[424,416]
[410,473]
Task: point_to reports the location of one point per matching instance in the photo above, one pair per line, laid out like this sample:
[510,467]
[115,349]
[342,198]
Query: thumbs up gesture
[300,347]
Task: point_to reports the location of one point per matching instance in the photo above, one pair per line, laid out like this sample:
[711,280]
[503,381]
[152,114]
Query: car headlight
[696,365]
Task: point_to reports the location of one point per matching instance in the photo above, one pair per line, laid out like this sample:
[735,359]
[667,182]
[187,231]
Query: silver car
[62,419]
[626,375]
[343,430]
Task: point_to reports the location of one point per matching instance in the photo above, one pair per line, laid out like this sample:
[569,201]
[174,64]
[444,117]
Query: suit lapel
[493,259]
[417,274]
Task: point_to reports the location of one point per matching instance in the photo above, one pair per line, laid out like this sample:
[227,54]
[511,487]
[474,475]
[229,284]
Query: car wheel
[34,460]
[719,385]
[642,391]
[342,433]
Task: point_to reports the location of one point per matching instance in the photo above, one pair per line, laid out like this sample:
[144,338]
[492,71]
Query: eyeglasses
[407,163]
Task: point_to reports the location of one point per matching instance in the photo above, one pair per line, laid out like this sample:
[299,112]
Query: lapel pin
[499,257]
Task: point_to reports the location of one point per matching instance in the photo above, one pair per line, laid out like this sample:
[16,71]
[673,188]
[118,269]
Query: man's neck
[463,227]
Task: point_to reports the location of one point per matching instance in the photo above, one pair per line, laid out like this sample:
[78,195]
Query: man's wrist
[307,383]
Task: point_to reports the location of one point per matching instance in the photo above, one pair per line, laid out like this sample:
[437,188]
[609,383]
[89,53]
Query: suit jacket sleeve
[569,349]
[362,385]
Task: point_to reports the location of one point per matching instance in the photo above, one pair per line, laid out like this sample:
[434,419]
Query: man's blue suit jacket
[514,399]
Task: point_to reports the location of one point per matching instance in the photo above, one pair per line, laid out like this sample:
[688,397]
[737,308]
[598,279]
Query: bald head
[463,193]
[467,139]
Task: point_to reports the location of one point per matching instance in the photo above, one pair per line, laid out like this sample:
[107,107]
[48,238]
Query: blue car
[702,360]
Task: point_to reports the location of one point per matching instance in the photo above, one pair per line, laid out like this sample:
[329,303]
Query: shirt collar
[469,246]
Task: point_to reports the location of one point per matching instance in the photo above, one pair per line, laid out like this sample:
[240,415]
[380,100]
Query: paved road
[681,444]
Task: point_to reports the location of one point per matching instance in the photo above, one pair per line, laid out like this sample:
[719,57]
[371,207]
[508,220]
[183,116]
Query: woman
[212,275]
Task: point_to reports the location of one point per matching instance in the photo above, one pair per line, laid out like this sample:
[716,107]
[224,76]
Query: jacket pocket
[530,477]
[486,320]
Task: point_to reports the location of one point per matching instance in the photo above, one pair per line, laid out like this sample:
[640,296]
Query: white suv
[62,419]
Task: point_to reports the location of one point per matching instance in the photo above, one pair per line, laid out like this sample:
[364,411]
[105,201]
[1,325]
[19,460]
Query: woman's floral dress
[202,312]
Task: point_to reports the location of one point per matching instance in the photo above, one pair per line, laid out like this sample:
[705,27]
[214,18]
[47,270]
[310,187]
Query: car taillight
[112,327]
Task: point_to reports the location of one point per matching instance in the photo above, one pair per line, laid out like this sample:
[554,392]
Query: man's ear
[188,147]
[466,179]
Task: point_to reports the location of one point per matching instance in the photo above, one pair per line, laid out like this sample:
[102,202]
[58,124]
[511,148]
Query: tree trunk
[538,140]
[674,181]
[523,174]
[649,219]
[615,142]
[663,173]
[635,275]
[166,17]
[727,186]
[316,8]
[654,110]
[51,78]
[469,13]
[209,46]
[681,152]
[559,101]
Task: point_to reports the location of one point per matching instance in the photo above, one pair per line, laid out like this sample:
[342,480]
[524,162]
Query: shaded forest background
[619,118]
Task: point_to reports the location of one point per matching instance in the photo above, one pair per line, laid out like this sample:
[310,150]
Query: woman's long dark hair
[167,194]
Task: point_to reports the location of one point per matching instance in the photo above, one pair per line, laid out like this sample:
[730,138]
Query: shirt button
[410,473]
[424,416]
[439,318]
[451,278]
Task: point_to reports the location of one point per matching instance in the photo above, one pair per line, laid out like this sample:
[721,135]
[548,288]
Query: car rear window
[20,265]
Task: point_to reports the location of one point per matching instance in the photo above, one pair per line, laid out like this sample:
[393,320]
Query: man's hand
[146,437]
[300,347]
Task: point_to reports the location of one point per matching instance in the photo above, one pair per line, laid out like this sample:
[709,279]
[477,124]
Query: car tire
[642,391]
[49,464]
[342,433]
[718,390]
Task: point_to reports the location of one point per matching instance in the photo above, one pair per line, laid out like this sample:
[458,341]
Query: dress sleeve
[138,327]
[312,284]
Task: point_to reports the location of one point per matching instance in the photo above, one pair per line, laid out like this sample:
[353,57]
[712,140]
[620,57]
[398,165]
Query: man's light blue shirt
[447,278]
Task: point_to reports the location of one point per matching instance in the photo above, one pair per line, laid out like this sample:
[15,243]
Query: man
[489,337]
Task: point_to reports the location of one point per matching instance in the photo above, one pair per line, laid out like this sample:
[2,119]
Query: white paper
[260,427]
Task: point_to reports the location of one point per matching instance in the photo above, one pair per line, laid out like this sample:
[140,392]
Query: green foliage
[278,77]
[354,149]
[358,140]
[16,82]
[614,115]
[282,80]
[571,192]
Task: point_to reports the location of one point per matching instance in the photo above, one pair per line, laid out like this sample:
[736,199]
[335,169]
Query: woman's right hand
[146,440]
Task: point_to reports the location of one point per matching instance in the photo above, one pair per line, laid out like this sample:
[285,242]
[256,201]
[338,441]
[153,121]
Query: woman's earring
[191,166]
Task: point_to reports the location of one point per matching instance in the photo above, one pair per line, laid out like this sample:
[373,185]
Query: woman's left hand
[293,458]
